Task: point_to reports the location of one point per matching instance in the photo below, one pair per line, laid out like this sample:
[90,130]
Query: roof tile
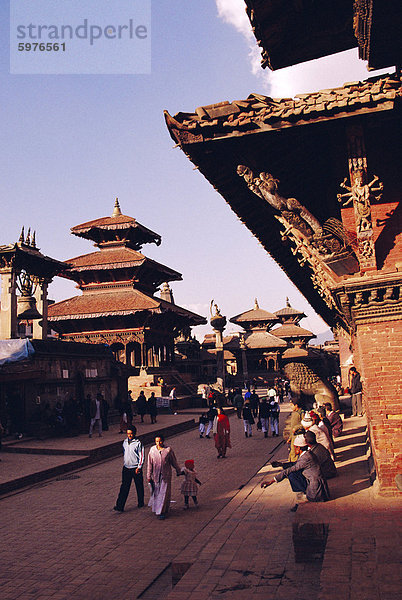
[258,109]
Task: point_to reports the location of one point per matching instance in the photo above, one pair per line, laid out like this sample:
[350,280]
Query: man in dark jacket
[142,405]
[335,420]
[356,391]
[238,403]
[254,402]
[328,468]
[305,476]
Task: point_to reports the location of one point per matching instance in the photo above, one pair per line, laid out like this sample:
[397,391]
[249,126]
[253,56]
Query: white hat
[300,441]
[307,421]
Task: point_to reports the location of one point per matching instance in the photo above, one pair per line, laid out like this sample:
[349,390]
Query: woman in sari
[221,431]
[161,459]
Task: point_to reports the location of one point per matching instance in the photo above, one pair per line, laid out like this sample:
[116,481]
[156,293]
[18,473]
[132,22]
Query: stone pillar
[41,331]
[8,313]
[218,323]
[244,358]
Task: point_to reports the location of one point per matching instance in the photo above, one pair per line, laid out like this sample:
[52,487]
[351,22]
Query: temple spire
[256,307]
[287,302]
[166,293]
[116,210]
[22,236]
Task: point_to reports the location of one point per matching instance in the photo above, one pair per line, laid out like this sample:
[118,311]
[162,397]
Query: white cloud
[326,72]
[234,13]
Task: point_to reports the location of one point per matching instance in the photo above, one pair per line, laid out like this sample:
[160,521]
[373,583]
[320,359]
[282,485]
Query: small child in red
[189,487]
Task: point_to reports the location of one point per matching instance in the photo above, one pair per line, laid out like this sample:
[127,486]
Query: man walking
[356,391]
[132,469]
[96,414]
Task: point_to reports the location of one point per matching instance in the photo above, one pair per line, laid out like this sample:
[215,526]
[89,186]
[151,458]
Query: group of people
[161,461]
[265,410]
[142,406]
[310,436]
[217,422]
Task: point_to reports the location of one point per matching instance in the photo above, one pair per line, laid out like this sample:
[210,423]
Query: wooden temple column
[128,353]
[8,312]
[144,361]
[150,357]
[170,349]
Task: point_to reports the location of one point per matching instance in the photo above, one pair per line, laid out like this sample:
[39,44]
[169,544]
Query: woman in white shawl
[161,459]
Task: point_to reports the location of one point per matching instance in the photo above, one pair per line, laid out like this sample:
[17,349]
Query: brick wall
[378,358]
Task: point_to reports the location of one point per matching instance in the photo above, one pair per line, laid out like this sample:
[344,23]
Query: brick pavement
[62,540]
[53,456]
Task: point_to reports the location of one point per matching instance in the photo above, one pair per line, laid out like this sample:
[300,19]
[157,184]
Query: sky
[71,143]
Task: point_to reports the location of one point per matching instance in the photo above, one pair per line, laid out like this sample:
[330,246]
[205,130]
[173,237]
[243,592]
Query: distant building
[258,351]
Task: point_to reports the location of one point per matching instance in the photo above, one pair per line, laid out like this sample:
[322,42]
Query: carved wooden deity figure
[360,193]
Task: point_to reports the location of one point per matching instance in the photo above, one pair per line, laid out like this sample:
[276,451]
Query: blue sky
[71,144]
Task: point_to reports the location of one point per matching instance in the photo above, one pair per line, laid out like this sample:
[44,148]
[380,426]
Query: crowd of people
[251,409]
[309,434]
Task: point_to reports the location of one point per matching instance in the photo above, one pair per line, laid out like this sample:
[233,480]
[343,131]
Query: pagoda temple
[266,342]
[117,306]
[260,347]
[289,328]
[317,180]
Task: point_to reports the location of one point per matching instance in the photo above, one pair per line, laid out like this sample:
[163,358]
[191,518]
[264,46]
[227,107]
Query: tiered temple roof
[118,282]
[256,318]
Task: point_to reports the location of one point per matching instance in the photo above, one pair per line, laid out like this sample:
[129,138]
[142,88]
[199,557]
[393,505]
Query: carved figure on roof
[361,192]
[266,187]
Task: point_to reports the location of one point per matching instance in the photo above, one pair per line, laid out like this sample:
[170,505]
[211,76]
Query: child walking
[189,487]
[203,424]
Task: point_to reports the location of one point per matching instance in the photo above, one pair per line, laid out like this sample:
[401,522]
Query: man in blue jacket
[132,469]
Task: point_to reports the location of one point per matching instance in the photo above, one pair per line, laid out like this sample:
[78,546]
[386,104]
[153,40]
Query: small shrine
[117,306]
[25,276]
